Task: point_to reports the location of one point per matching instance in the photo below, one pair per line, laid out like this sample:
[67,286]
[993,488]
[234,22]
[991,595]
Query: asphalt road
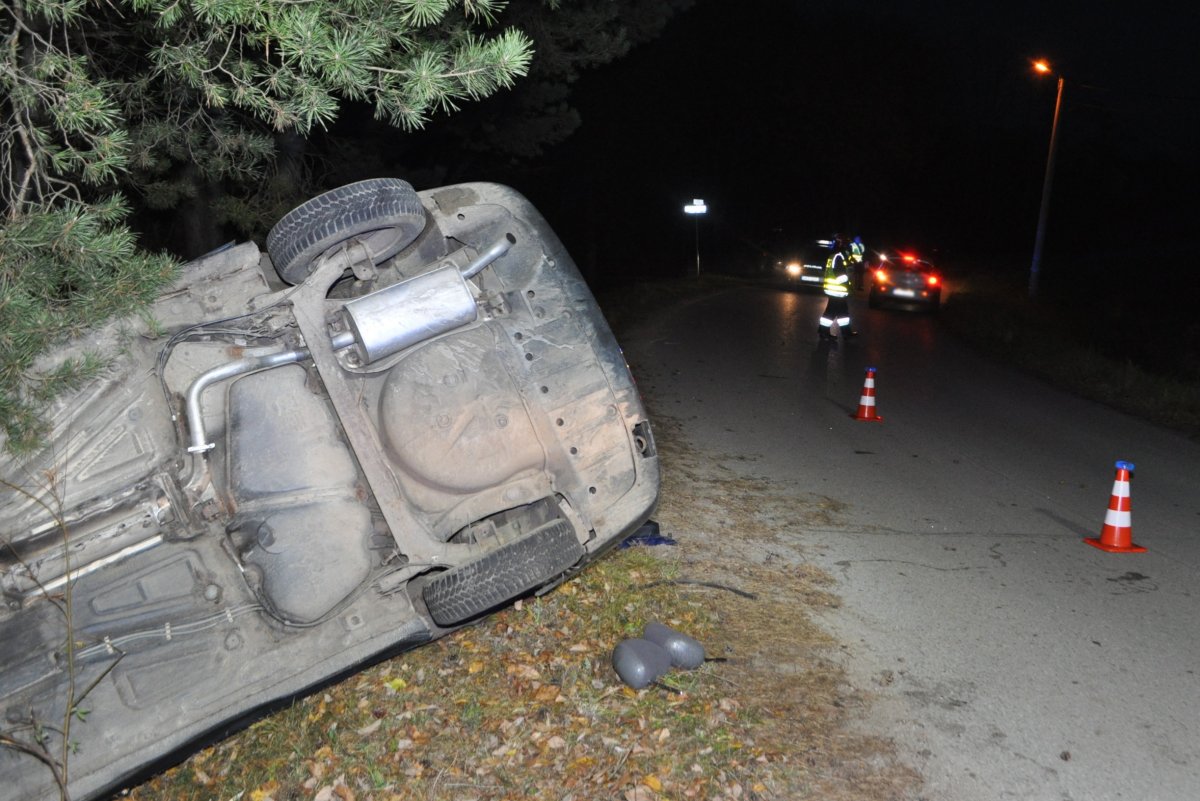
[1008,659]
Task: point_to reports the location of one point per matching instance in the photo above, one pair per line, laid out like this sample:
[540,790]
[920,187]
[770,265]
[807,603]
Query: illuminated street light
[697,209]
[1043,68]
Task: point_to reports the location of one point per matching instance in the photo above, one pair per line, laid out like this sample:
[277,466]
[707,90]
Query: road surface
[1008,659]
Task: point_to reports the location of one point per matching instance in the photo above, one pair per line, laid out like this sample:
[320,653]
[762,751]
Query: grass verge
[526,705]
[1059,345]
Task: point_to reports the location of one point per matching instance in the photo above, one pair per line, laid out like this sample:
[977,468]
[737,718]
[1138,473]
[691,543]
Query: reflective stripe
[826,322]
[1118,519]
[836,277]
[843,321]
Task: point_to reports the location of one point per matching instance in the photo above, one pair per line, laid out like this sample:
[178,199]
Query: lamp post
[1044,68]
[696,209]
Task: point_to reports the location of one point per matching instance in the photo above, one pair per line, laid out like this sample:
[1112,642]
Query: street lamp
[1042,67]
[697,209]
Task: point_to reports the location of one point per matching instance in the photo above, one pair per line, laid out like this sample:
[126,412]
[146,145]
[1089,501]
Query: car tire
[475,587]
[384,214]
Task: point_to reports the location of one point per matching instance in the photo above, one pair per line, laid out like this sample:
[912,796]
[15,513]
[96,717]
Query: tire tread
[475,587]
[307,231]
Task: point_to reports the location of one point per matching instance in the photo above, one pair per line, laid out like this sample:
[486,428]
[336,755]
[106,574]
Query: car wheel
[468,590]
[383,214]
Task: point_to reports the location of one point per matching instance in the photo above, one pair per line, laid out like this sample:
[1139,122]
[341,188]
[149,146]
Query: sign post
[696,209]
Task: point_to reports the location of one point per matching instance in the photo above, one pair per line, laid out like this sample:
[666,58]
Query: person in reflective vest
[837,287]
[857,261]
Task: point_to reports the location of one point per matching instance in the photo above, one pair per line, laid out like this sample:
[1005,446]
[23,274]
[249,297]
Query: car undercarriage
[408,415]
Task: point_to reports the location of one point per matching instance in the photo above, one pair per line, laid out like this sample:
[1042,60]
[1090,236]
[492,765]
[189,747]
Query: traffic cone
[1117,534]
[866,403]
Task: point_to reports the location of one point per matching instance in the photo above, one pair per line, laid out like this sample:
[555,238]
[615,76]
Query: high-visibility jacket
[856,252]
[837,280]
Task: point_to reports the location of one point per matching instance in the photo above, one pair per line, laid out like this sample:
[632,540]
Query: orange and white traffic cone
[1117,534]
[866,403]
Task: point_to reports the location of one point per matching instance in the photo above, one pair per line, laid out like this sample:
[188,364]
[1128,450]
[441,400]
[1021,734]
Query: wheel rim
[382,243]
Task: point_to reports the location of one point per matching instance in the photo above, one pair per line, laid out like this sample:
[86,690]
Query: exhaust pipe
[195,413]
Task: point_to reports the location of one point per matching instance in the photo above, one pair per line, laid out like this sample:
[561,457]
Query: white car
[410,414]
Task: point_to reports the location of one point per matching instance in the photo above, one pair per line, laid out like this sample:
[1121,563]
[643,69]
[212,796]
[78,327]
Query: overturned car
[412,413]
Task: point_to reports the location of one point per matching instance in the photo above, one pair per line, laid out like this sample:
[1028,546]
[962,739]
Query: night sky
[909,123]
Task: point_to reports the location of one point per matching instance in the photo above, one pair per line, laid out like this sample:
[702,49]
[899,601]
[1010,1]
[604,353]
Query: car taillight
[932,280]
[881,276]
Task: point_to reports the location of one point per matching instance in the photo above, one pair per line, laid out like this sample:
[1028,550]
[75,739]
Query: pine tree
[148,98]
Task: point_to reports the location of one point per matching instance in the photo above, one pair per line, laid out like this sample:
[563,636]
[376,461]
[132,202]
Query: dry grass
[743,532]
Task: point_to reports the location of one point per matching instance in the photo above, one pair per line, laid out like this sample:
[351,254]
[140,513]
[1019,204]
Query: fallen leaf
[546,693]
[522,671]
[370,728]
[653,783]
[475,667]
[556,742]
[265,792]
[317,713]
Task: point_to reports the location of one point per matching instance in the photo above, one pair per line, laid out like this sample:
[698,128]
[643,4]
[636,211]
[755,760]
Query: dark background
[911,124]
[914,124]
